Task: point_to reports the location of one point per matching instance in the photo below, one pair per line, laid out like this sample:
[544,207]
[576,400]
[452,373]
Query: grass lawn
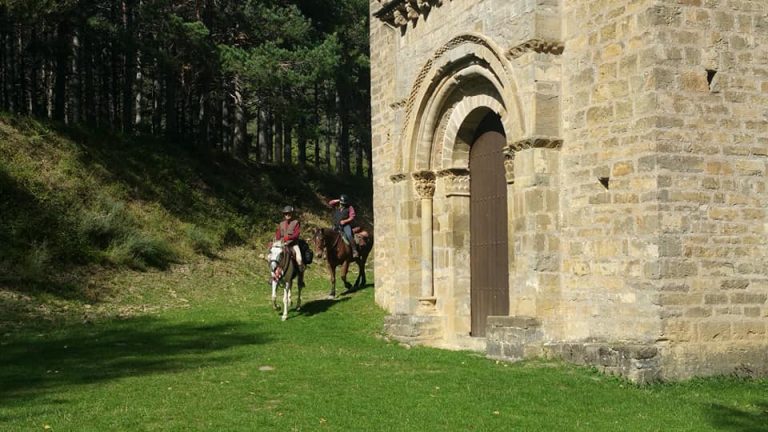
[211,354]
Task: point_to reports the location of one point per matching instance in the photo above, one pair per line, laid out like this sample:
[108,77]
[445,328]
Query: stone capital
[424,183]
[456,181]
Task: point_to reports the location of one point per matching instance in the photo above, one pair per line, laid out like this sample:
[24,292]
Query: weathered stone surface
[635,171]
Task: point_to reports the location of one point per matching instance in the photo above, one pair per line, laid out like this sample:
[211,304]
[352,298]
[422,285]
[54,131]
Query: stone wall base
[639,363]
[414,329]
[516,338]
[747,360]
[513,338]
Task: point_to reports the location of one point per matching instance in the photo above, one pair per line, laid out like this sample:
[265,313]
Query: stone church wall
[638,229]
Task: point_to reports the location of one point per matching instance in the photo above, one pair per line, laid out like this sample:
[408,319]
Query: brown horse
[329,244]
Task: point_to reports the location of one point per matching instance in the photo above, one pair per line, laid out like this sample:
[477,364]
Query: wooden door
[488,231]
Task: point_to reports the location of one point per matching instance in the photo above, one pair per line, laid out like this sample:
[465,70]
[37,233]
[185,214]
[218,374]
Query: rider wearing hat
[288,231]
[344,219]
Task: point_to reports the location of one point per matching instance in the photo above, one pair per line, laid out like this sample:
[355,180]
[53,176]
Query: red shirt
[288,231]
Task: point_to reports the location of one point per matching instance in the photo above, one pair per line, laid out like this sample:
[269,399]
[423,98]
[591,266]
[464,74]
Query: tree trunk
[359,157]
[5,71]
[89,108]
[302,141]
[317,124]
[226,128]
[328,135]
[269,123]
[23,81]
[131,66]
[73,115]
[342,148]
[261,134]
[171,115]
[62,56]
[278,138]
[288,143]
[239,138]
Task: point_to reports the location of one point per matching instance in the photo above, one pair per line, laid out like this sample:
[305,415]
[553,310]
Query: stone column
[424,183]
[455,298]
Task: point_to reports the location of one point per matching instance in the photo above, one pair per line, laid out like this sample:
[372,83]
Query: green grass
[199,348]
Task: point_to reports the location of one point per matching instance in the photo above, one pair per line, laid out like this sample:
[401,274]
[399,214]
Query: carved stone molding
[397,178]
[398,13]
[537,45]
[399,104]
[509,167]
[424,183]
[534,142]
[456,181]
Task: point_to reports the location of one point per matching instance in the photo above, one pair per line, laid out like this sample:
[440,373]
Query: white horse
[284,269]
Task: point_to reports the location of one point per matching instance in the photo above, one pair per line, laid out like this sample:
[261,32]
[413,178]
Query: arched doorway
[488,225]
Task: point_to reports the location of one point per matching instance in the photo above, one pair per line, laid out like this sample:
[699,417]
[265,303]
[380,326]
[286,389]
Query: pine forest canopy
[267,80]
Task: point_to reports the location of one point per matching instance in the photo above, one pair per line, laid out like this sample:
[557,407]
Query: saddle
[361,236]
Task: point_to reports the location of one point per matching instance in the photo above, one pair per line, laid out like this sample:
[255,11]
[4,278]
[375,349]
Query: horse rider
[288,231]
[344,219]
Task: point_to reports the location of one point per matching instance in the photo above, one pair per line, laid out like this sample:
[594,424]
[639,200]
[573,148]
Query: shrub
[139,251]
[109,221]
[202,241]
[35,264]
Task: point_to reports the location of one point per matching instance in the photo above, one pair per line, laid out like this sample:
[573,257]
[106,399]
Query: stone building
[580,179]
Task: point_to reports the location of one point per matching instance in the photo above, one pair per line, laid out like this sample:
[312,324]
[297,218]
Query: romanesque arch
[467,79]
[466,73]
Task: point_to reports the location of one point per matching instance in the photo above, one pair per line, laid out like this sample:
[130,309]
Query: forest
[265,81]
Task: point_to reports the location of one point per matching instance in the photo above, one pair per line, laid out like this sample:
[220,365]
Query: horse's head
[275,255]
[319,244]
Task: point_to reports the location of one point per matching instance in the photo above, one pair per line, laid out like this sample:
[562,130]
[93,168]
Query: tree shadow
[36,365]
[734,419]
[315,307]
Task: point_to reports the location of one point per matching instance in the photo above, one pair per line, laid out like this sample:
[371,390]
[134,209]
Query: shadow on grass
[319,306]
[36,365]
[733,419]
[353,290]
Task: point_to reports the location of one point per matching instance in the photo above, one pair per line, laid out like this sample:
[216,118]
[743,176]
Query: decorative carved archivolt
[456,181]
[537,45]
[534,142]
[398,13]
[424,183]
[453,43]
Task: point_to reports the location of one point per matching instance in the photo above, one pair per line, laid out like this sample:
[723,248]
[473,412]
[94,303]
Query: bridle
[278,263]
[319,240]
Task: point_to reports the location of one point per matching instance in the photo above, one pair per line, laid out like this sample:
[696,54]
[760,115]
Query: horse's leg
[274,294]
[332,271]
[362,269]
[360,281]
[344,270]
[298,301]
[286,299]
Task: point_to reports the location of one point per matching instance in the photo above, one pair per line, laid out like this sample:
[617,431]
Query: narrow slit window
[711,76]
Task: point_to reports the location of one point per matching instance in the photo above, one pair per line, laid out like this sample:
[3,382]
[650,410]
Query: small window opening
[605,181]
[711,76]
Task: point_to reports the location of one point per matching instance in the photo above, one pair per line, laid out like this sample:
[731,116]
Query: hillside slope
[75,204]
